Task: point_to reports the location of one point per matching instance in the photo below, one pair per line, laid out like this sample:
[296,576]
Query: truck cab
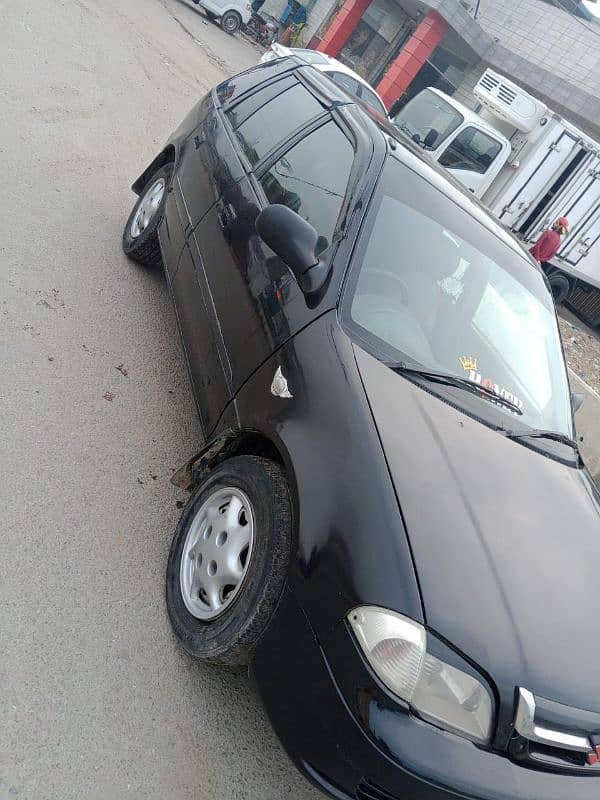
[470,149]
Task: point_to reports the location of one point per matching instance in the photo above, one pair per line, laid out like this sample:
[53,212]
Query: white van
[230,13]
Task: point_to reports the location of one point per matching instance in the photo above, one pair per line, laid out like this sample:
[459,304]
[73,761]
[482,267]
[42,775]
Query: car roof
[330,64]
[372,124]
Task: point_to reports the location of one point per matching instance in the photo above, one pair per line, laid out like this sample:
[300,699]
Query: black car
[390,521]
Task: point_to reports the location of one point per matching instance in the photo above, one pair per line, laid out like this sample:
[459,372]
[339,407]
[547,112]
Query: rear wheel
[140,236]
[231,22]
[229,559]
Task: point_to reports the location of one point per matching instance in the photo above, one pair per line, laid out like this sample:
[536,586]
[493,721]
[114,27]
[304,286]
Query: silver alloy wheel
[216,553]
[230,23]
[147,208]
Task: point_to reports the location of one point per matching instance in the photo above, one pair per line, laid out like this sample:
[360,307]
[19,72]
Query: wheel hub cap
[216,553]
[147,208]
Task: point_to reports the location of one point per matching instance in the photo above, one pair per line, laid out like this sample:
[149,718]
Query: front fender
[352,547]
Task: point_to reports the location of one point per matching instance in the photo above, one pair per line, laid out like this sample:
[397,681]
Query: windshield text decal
[503,394]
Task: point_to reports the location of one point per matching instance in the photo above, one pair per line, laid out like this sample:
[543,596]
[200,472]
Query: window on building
[271,124]
[312,178]
[471,150]
[376,40]
[443,70]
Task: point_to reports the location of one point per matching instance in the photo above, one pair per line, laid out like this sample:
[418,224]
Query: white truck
[529,166]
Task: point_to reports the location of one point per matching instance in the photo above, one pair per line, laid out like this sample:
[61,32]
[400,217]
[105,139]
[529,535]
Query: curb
[586,386]
[587,424]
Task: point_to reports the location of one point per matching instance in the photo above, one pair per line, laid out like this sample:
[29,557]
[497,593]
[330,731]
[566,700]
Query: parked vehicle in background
[262,30]
[231,14]
[529,166]
[334,69]
[390,521]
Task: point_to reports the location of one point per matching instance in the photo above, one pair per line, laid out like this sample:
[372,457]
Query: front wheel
[561,288]
[231,22]
[229,559]
[140,236]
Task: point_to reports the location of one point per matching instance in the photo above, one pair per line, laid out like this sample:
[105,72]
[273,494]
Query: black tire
[231,637]
[561,288]
[231,22]
[145,248]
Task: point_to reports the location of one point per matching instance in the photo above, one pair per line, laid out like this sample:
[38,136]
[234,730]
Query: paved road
[96,700]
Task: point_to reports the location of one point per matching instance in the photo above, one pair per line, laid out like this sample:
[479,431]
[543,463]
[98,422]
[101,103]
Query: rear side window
[312,177]
[345,81]
[472,150]
[271,124]
[311,56]
[371,99]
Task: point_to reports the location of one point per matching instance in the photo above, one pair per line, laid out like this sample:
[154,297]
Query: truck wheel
[229,559]
[140,236]
[231,21]
[561,288]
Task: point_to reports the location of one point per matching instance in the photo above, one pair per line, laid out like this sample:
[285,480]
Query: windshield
[432,286]
[428,119]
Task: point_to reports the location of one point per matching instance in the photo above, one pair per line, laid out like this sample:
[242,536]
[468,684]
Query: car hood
[506,541]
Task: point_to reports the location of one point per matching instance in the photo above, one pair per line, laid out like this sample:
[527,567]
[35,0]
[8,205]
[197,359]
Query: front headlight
[396,648]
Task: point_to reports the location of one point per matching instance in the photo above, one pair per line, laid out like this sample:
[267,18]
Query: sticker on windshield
[468,363]
[500,391]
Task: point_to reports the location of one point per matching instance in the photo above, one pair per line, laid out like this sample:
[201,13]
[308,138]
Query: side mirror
[577,401]
[430,140]
[296,242]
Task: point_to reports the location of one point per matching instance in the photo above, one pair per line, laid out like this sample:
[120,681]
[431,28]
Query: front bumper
[355,742]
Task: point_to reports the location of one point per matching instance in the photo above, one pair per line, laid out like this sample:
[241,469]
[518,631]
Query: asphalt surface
[96,699]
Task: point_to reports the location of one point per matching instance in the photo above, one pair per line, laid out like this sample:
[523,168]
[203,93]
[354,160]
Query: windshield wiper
[535,433]
[454,380]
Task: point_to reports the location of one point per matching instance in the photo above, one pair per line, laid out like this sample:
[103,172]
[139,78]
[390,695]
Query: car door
[216,198]
[203,349]
[207,161]
[295,155]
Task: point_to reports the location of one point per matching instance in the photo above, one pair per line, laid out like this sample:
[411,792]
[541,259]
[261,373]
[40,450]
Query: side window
[371,99]
[345,81]
[312,177]
[471,150]
[275,121]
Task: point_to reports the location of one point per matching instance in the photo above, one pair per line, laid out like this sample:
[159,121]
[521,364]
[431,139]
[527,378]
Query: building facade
[402,46]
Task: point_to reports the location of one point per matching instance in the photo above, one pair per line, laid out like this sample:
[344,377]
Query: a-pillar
[411,58]
[342,26]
